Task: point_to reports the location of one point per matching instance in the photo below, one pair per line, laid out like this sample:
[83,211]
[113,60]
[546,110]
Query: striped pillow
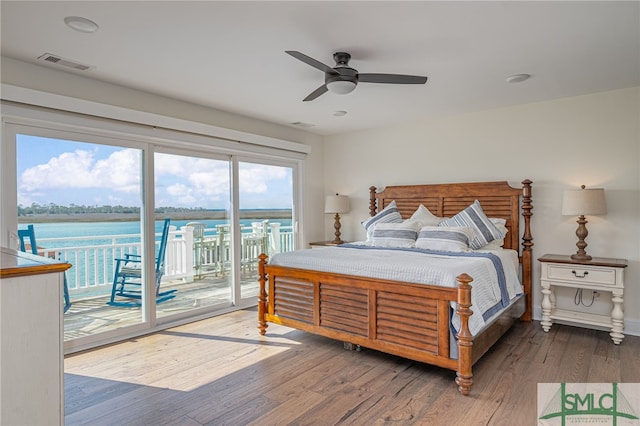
[389,214]
[395,234]
[450,238]
[498,242]
[474,217]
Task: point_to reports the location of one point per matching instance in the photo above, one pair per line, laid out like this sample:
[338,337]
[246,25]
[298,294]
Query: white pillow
[389,214]
[395,234]
[474,217]
[449,238]
[425,217]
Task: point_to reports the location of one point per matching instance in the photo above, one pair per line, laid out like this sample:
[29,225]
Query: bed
[404,318]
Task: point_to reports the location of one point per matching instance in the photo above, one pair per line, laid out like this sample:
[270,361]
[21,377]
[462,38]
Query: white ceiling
[230,55]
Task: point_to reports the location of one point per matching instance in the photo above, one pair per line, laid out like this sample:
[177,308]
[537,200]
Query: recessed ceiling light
[518,78]
[81,24]
[340,113]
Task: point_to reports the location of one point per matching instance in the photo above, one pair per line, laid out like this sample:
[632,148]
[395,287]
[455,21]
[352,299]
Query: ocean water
[96,229]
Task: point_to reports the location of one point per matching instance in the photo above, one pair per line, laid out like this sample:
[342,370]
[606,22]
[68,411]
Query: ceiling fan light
[341,87]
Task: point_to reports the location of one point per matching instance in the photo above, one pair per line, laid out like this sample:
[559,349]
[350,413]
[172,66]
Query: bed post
[262,296]
[527,244]
[465,338]
[372,201]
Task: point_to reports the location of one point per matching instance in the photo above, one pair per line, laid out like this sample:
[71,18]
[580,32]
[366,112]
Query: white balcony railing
[187,257]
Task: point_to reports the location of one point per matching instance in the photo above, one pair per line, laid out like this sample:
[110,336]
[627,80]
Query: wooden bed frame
[400,318]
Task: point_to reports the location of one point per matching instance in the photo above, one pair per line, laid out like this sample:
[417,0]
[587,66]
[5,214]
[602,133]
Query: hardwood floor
[220,371]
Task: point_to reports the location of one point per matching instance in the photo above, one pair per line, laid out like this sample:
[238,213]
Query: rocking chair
[127,280]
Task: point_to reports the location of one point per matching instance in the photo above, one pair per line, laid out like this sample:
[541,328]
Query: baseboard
[631,326]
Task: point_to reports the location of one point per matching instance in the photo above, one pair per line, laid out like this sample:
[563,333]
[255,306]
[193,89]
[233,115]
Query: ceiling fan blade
[319,91]
[310,61]
[391,78]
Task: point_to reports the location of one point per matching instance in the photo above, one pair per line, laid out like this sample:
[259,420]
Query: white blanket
[415,266]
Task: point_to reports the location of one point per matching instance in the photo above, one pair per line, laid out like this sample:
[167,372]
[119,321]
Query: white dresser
[31,339]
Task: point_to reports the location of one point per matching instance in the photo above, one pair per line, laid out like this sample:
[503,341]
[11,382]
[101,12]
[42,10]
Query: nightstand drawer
[578,273]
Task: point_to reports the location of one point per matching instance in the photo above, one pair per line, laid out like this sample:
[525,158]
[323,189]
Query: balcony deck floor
[91,315]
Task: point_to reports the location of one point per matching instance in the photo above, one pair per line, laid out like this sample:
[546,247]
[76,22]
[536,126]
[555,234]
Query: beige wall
[592,140]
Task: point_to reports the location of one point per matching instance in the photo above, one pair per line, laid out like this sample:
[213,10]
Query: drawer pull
[580,276]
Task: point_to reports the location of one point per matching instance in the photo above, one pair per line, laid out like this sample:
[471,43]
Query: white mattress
[416,266]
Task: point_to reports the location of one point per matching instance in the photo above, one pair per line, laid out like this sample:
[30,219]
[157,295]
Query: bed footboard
[408,320]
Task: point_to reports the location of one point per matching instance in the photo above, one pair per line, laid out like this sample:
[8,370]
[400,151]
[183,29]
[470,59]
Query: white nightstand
[598,274]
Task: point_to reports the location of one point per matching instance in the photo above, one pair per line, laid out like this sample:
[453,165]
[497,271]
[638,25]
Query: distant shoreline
[132,217]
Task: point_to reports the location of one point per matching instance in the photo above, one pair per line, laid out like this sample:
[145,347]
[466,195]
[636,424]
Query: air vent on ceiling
[58,60]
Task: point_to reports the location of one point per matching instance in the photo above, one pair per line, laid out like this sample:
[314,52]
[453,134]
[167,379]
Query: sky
[67,172]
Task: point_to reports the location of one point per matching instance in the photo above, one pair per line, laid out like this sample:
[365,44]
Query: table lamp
[583,202]
[337,204]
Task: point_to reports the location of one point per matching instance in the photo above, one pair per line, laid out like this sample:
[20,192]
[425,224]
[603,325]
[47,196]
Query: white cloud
[180,193]
[189,181]
[255,178]
[177,189]
[172,165]
[79,169]
[210,183]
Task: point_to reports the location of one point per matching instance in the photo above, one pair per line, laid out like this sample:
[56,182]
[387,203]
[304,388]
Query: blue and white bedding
[495,273]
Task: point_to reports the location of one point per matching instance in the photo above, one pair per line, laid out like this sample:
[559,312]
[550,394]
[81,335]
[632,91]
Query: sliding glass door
[84,201]
[194,192]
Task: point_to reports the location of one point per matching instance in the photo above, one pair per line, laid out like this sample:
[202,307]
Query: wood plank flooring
[220,371]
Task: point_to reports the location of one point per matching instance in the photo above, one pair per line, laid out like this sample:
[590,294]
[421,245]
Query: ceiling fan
[342,79]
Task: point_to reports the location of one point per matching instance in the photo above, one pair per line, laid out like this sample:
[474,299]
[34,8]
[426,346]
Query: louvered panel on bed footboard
[344,309]
[294,299]
[407,320]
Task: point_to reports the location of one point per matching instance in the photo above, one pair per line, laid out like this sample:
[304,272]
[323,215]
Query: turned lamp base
[581,233]
[336,225]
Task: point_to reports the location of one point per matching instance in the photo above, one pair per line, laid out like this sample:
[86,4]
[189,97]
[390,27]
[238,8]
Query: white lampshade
[341,87]
[587,202]
[336,204]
